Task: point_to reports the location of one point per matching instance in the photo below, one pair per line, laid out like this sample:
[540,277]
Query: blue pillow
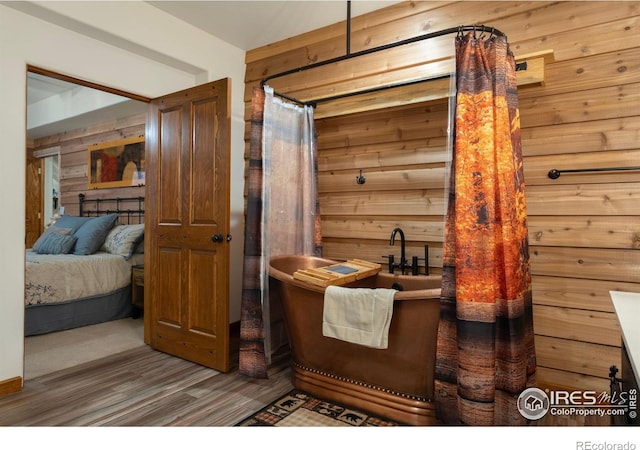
[92,233]
[43,237]
[56,244]
[72,222]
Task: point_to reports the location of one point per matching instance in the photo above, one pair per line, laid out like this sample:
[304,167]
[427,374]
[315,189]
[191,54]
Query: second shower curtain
[282,217]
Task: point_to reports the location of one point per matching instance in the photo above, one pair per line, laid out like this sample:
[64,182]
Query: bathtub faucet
[402,265]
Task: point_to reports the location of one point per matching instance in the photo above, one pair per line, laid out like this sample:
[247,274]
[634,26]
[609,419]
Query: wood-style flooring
[142,387]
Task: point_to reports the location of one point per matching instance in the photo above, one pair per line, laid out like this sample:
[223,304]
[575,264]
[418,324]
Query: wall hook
[360,179]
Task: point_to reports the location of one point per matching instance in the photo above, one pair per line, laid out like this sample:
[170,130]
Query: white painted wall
[153,57]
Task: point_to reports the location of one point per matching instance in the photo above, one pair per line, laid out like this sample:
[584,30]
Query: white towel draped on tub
[358,315]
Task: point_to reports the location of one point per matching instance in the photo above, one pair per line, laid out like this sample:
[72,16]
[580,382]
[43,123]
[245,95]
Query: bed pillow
[124,239]
[72,222]
[55,242]
[51,230]
[92,233]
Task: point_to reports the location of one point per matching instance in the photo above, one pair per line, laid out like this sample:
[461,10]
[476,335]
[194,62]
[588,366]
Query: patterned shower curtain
[486,355]
[282,217]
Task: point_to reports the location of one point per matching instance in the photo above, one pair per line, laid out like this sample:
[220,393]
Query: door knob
[229,238]
[217,238]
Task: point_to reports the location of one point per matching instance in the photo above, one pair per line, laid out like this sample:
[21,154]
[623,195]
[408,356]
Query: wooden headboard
[130,209]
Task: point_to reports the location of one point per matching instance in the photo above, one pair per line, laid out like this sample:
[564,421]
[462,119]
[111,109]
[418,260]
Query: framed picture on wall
[116,164]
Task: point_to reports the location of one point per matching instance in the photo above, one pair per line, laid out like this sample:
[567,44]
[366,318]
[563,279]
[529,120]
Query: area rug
[299,409]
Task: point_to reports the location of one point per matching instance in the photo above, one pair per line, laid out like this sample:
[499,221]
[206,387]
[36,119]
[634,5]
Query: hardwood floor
[142,387]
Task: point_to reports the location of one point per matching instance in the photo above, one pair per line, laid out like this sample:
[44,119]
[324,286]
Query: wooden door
[187,225]
[34,201]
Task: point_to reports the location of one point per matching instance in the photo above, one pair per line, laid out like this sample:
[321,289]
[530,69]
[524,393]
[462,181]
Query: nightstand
[137,290]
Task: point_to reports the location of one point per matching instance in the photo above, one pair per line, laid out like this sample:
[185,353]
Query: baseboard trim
[10,386]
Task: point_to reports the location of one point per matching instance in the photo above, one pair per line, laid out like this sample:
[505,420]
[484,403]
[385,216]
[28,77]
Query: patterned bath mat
[299,409]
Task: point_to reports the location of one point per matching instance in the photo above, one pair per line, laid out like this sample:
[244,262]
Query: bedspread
[62,278]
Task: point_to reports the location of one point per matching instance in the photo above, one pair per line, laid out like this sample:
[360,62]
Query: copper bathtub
[396,382]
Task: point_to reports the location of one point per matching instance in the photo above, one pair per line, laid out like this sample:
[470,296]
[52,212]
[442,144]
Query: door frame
[89,84]
[70,79]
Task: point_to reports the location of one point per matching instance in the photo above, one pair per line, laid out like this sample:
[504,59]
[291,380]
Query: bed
[78,273]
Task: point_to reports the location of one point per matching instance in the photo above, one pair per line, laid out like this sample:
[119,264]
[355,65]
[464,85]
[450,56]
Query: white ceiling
[41,87]
[242,23]
[252,24]
[53,106]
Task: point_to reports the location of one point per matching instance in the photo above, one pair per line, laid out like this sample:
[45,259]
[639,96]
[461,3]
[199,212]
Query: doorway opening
[65,116]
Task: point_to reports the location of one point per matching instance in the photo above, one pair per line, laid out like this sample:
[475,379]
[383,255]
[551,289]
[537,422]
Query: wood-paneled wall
[584,228]
[74,159]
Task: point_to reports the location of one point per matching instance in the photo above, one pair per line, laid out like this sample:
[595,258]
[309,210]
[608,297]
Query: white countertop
[627,306]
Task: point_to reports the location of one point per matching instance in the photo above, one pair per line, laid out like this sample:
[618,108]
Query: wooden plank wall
[584,228]
[74,159]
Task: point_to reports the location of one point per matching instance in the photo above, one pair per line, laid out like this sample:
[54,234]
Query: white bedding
[62,278]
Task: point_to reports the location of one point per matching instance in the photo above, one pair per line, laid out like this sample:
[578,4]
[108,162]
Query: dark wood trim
[70,79]
[10,386]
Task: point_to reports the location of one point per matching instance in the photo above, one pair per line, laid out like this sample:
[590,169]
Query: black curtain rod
[554,174]
[370,90]
[460,29]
